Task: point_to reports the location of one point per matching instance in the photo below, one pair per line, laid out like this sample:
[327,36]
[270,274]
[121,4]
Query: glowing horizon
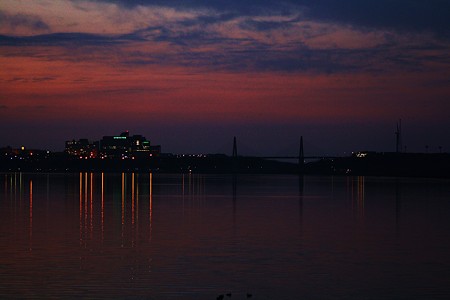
[208,71]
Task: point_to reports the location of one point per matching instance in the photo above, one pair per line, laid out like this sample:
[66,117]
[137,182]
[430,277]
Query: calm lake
[154,236]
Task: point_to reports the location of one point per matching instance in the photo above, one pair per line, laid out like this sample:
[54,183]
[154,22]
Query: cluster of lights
[90,156]
[24,155]
[192,155]
[120,147]
[104,156]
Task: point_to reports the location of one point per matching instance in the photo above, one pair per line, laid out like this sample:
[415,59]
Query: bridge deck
[296,157]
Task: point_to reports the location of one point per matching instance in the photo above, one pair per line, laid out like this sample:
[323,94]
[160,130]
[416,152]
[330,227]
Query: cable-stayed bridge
[300,157]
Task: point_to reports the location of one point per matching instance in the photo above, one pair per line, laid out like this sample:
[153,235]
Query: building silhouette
[82,147]
[121,146]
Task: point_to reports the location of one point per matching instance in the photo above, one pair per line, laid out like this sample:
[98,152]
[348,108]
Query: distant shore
[361,163]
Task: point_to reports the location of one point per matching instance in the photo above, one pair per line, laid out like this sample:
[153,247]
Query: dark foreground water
[197,237]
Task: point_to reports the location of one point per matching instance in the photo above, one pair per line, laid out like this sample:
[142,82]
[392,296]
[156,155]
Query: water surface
[187,236]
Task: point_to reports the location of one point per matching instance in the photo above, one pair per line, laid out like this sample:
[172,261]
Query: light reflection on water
[153,236]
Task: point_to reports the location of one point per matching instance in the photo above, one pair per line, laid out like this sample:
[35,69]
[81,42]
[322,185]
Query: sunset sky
[190,75]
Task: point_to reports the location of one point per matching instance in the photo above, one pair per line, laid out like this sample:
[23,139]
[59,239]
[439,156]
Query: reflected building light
[48,187]
[356,192]
[132,210]
[31,215]
[85,186]
[103,206]
[150,205]
[15,186]
[182,184]
[348,179]
[182,187]
[123,198]
[351,192]
[81,208]
[123,206]
[11,186]
[132,198]
[151,185]
[91,186]
[85,202]
[361,194]
[20,186]
[189,184]
[137,208]
[6,185]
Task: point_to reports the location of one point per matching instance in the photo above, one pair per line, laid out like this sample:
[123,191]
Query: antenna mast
[398,135]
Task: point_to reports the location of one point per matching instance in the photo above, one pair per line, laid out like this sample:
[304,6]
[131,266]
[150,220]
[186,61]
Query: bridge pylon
[301,156]
[234,157]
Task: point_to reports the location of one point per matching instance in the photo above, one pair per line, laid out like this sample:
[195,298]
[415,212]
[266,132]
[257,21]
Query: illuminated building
[81,148]
[121,146]
[126,146]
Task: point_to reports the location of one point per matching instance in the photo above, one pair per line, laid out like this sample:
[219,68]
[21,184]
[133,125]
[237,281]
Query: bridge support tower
[301,157]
